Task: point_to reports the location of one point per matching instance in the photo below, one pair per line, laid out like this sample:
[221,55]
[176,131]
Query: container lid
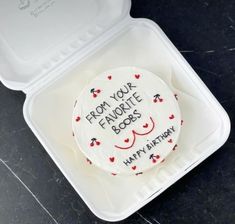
[38,35]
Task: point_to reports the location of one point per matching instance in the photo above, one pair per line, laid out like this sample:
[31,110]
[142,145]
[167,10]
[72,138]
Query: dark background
[33,190]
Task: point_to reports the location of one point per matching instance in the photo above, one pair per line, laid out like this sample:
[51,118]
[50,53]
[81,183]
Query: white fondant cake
[126,120]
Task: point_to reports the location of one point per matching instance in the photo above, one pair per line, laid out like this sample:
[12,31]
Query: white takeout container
[51,49]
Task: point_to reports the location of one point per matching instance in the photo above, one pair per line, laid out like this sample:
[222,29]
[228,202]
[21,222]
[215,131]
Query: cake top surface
[126,120]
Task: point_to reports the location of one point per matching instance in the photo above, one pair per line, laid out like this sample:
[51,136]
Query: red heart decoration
[111,159]
[172,117]
[137,76]
[133,167]
[145,126]
[127,140]
[78,118]
[170,141]
[109,77]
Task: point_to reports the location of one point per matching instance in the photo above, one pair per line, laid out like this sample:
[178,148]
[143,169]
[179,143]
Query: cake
[126,120]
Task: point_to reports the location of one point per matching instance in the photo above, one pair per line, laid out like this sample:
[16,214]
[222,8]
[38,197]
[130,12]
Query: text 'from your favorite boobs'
[125,99]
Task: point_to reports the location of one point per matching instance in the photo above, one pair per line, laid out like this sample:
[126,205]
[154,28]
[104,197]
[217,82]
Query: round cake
[126,120]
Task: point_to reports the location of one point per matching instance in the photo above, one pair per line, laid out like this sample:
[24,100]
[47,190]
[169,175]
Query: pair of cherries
[95,92]
[94,142]
[154,158]
[157,98]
